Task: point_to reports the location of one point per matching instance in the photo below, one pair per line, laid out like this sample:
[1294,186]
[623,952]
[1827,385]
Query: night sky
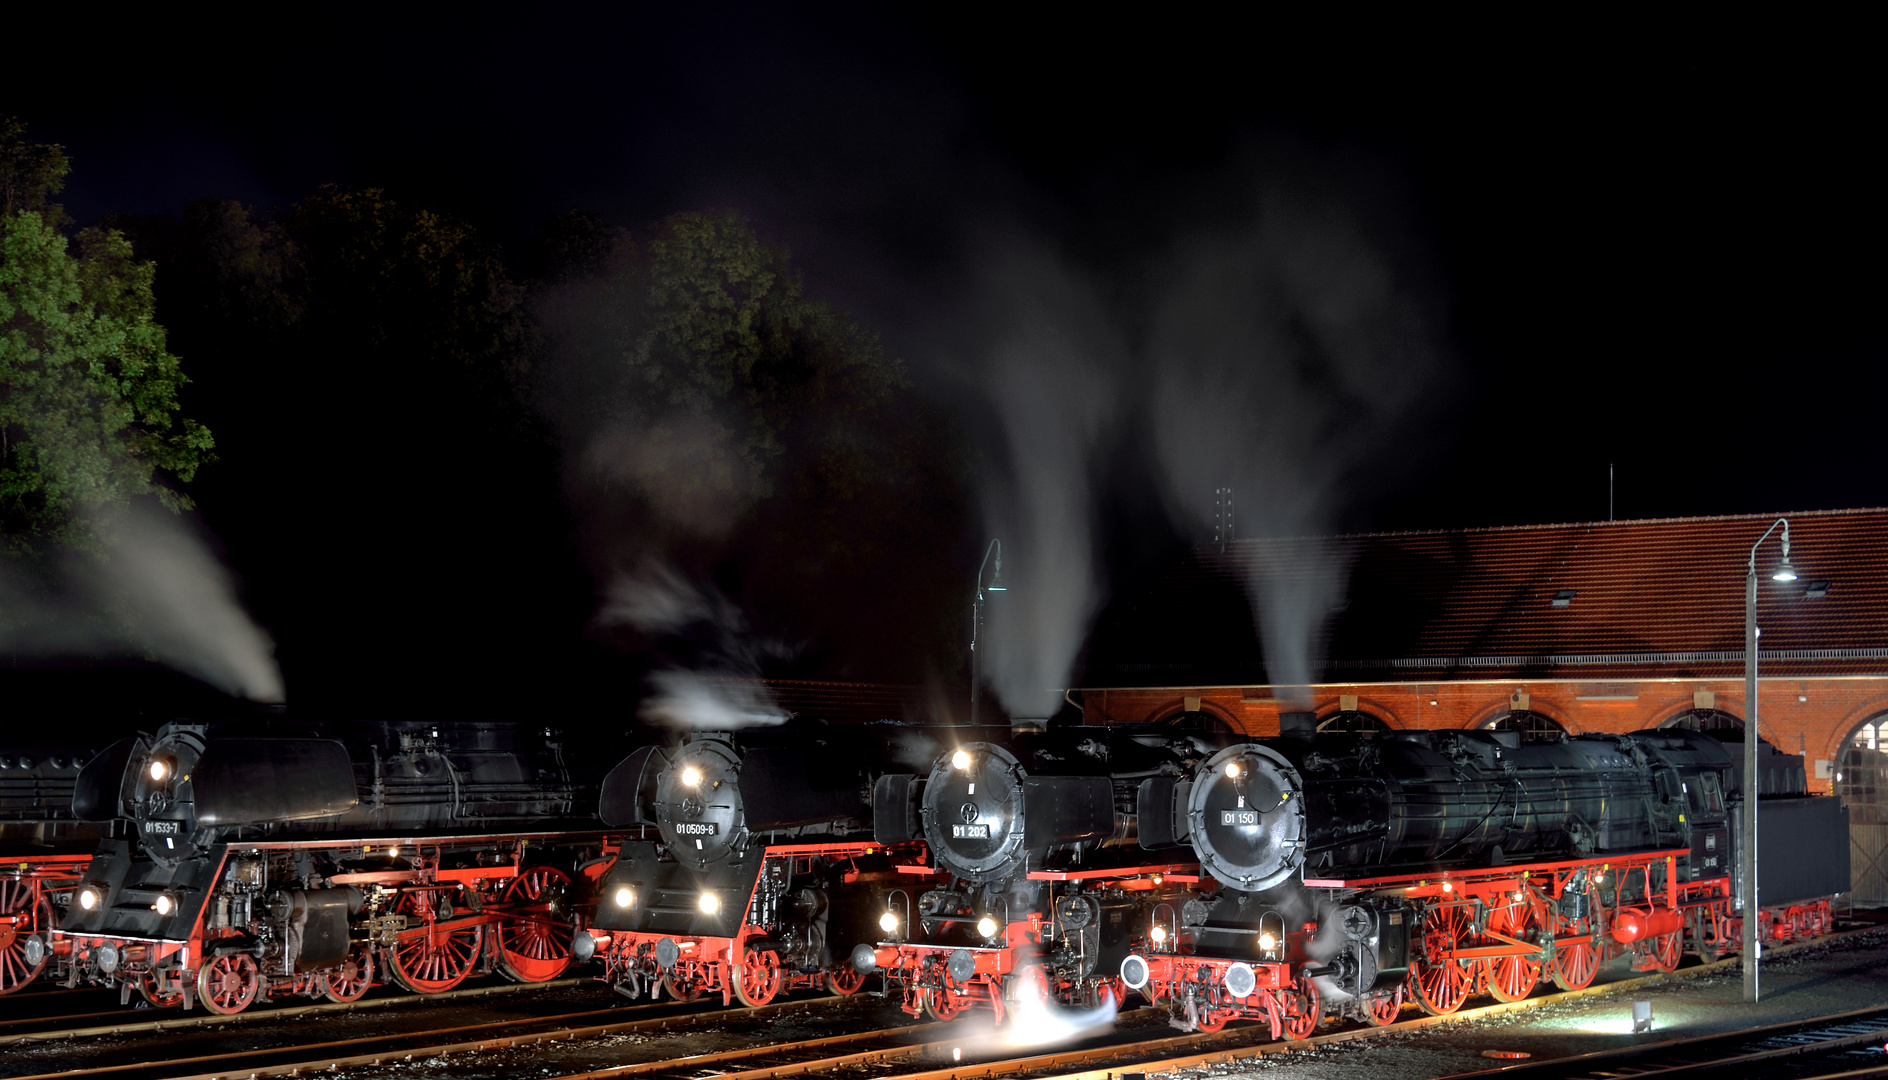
[1648,244]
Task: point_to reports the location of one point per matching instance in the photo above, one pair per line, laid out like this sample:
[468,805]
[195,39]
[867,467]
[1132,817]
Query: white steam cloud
[1051,374]
[722,691]
[154,590]
[1288,358]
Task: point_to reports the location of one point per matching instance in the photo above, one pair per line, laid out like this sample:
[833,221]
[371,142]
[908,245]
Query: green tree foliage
[734,421]
[88,389]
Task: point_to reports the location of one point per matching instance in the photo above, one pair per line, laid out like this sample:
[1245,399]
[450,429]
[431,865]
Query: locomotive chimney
[1297,725]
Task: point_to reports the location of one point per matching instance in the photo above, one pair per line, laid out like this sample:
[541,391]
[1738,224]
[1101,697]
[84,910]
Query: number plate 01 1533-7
[970,832]
[1238,817]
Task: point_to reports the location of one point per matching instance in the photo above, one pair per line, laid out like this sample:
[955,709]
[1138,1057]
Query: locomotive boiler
[43,850]
[763,867]
[1039,883]
[1437,864]
[250,859]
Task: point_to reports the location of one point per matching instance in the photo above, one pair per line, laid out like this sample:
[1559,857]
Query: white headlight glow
[961,761]
[888,922]
[710,903]
[986,926]
[691,777]
[625,896]
[1267,941]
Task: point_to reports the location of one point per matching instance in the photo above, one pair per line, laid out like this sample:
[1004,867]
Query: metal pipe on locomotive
[256,859]
[1038,885]
[765,858]
[43,854]
[1348,873]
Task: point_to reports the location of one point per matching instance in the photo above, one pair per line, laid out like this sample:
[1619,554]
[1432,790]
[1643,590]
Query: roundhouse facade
[1588,627]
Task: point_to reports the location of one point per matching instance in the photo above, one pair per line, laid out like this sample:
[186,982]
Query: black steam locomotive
[1040,885]
[43,851]
[256,858]
[1350,871]
[764,869]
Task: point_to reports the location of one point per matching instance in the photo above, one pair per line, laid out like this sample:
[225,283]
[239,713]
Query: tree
[88,390]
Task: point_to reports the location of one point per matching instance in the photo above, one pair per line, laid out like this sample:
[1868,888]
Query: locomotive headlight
[1232,770]
[1267,942]
[625,897]
[1448,887]
[159,769]
[961,761]
[710,903]
[164,905]
[691,777]
[1159,934]
[88,898]
[986,926]
[888,922]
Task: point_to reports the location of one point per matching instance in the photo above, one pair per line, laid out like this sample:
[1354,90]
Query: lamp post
[976,620]
[1783,572]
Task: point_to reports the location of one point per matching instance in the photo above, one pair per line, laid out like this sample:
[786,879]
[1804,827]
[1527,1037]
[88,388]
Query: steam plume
[720,689]
[1288,356]
[154,590]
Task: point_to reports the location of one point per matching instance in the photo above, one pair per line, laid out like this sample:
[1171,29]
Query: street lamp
[1783,572]
[976,619]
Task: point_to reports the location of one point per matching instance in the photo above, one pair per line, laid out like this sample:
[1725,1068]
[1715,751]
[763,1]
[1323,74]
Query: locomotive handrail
[1173,926]
[898,933]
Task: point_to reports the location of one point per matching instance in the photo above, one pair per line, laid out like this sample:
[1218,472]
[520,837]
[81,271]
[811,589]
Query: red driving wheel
[534,934]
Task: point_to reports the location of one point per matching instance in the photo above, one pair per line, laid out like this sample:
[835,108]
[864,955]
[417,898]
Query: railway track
[1836,1045]
[888,1053]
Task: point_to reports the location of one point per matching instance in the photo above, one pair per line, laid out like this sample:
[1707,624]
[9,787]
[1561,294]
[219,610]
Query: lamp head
[1784,571]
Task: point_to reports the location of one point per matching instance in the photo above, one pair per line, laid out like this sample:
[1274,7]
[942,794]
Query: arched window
[1202,721]
[1352,722]
[1534,727]
[1862,781]
[1704,720]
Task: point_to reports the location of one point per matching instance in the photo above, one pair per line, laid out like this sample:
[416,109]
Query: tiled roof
[1648,598]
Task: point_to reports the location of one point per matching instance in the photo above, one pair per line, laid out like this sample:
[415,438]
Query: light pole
[976,619]
[1783,572]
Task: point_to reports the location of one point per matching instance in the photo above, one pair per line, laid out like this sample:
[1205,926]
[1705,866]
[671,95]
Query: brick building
[1592,627]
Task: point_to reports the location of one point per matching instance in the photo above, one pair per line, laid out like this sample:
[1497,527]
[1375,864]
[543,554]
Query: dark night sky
[1654,244]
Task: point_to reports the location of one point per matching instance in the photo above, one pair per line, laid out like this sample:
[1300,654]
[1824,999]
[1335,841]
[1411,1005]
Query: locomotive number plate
[161,828]
[1238,817]
[696,828]
[970,832]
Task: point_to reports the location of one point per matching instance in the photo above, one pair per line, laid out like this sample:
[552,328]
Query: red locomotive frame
[28,913]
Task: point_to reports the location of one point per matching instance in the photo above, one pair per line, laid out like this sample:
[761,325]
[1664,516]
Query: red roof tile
[1654,597]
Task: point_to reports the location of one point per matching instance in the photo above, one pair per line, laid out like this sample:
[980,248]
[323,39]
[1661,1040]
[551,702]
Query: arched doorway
[1862,781]
[1534,727]
[1352,722]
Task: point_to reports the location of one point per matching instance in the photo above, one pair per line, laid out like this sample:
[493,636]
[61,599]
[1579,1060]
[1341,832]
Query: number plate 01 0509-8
[970,832]
[1238,817]
[696,828]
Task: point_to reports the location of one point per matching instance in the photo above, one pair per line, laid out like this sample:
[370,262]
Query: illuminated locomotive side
[1355,873]
[44,851]
[765,867]
[1037,886]
[254,860]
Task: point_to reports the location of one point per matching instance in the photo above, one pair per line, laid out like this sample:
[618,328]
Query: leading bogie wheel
[1212,1020]
[942,1005]
[1307,1011]
[160,989]
[681,989]
[844,980]
[757,979]
[1440,982]
[1383,1009]
[24,912]
[437,958]
[534,935]
[227,984]
[351,980]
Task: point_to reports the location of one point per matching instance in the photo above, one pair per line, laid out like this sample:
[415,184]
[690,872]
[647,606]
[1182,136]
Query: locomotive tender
[249,859]
[1433,865]
[43,852]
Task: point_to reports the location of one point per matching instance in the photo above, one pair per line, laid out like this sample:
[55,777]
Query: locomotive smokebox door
[1247,817]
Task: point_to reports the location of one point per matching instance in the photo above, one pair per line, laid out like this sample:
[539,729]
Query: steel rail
[234,1069]
[1152,1062]
[1660,1058]
[188,1021]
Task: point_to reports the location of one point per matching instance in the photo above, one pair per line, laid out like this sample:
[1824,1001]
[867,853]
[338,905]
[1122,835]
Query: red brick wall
[1810,716]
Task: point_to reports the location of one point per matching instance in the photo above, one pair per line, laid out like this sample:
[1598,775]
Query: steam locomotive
[1040,883]
[259,858]
[764,868]
[44,851]
[1348,872]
